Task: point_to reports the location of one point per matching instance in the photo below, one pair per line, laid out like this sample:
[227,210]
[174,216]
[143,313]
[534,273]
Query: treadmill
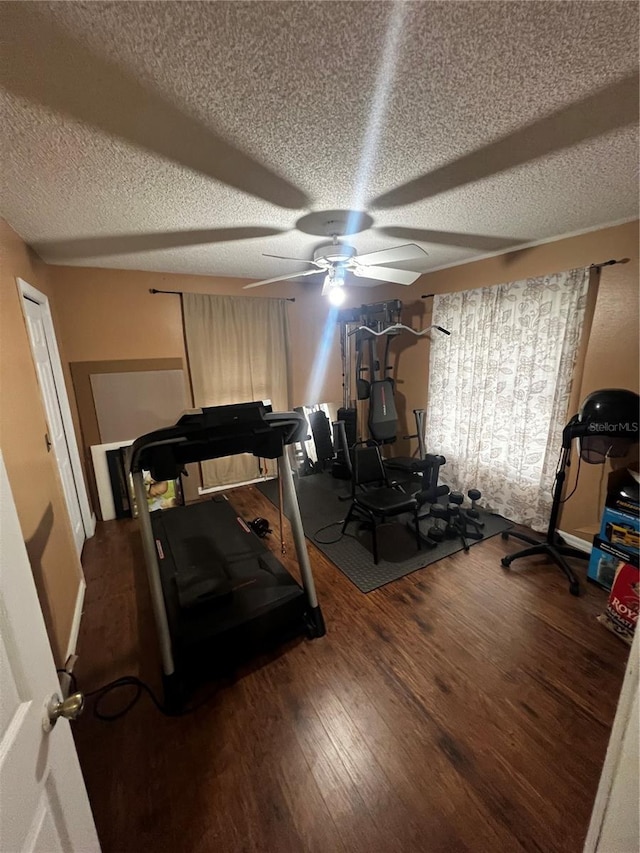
[217,591]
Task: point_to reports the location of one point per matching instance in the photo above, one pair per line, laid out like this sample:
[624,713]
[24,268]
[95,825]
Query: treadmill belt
[215,572]
[200,573]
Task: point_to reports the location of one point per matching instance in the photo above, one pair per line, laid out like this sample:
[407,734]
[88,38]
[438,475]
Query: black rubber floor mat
[321,510]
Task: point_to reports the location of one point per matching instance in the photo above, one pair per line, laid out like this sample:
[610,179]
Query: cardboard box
[621,529]
[605,561]
[621,615]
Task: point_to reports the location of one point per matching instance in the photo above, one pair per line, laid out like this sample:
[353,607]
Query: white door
[57,435]
[43,801]
[615,820]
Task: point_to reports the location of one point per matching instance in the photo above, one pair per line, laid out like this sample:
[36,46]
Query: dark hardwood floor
[462,708]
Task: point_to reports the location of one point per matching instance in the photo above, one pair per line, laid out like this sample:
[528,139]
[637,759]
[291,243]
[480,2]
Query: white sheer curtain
[238,349]
[499,389]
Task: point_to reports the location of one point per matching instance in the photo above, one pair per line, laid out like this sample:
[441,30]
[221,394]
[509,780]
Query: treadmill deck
[219,579]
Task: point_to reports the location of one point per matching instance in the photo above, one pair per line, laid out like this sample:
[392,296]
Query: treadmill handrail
[296,421]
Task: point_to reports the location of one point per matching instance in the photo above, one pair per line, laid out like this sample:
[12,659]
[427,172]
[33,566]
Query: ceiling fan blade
[613,107]
[454,238]
[280,278]
[45,65]
[286,258]
[387,274]
[125,244]
[409,252]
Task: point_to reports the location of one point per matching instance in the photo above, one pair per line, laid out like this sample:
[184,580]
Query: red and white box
[621,615]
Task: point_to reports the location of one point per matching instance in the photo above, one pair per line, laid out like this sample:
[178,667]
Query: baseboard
[576,542]
[77,617]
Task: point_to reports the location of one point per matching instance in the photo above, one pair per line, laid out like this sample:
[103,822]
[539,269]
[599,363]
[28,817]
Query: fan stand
[554,546]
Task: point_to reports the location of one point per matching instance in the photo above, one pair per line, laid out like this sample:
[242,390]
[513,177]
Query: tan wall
[110,314]
[33,473]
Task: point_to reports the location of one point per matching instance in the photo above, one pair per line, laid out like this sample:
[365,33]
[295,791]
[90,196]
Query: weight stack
[321,431]
[350,418]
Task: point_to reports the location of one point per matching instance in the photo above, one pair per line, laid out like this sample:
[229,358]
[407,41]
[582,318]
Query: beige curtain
[238,348]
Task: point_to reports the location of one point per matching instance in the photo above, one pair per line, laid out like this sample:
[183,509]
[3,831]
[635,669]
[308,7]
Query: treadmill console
[213,432]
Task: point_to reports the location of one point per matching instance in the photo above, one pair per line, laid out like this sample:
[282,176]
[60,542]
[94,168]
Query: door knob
[69,708]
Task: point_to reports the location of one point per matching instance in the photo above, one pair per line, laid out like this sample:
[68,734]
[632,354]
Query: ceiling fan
[86,83]
[337,259]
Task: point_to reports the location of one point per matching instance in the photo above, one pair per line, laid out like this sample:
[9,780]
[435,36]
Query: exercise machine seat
[379,501]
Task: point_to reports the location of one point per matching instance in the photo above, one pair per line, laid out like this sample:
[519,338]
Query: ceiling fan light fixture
[334,286]
[334,278]
[337,296]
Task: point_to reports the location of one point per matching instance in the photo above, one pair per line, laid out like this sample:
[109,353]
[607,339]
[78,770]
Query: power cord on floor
[326,527]
[102,692]
[126,681]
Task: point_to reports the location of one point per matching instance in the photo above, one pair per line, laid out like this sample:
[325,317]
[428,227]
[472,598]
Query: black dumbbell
[453,513]
[430,496]
[456,498]
[260,527]
[474,496]
[437,530]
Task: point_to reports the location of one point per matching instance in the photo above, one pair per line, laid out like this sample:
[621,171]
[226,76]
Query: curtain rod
[591,267]
[182,292]
[609,263]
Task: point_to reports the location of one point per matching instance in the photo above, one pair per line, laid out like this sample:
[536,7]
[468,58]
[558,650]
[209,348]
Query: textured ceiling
[481,126]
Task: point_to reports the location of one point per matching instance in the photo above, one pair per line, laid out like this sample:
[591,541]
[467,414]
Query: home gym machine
[360,331]
[426,466]
[217,590]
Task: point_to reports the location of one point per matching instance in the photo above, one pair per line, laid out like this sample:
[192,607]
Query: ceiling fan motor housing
[334,253]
